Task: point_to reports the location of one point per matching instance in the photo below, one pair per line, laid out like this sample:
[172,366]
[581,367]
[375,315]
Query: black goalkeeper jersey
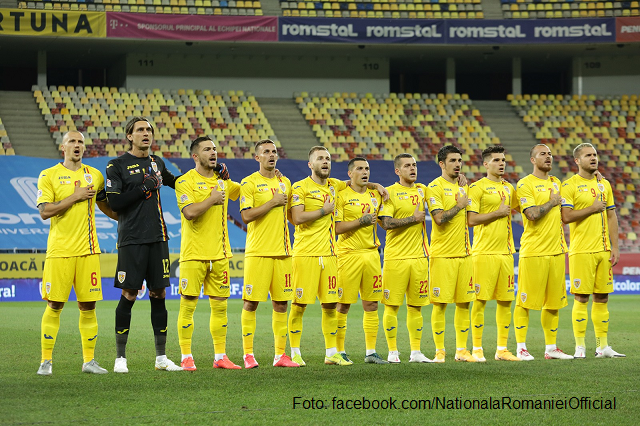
[141,222]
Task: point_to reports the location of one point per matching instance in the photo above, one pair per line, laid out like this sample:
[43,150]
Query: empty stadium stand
[536,9]
[232,118]
[607,122]
[380,126]
[5,142]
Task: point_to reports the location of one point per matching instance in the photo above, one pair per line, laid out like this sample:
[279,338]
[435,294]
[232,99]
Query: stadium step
[512,132]
[293,132]
[272,7]
[24,124]
[492,9]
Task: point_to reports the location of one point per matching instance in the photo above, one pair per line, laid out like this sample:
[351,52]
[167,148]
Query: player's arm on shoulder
[168,179]
[612,222]
[381,190]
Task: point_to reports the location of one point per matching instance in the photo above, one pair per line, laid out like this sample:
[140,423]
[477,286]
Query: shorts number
[165,266]
[94,279]
[332,282]
[511,281]
[424,287]
[225,277]
[377,281]
[471,283]
[287,280]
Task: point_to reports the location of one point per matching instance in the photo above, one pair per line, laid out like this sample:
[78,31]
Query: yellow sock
[329,327]
[461,323]
[88,325]
[503,321]
[579,318]
[600,318]
[342,331]
[437,324]
[477,322]
[186,324]
[414,325]
[248,322]
[279,326]
[549,319]
[370,323]
[390,324]
[218,325]
[295,325]
[521,323]
[49,329]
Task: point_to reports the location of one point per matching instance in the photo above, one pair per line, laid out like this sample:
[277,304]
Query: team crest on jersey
[601,187]
[507,190]
[88,178]
[523,297]
[184,198]
[183,283]
[461,191]
[154,166]
[121,276]
[420,192]
[340,292]
[387,293]
[332,191]
[47,288]
[374,202]
[436,292]
[555,187]
[143,290]
[249,289]
[109,183]
[577,282]
[283,187]
[221,184]
[299,293]
[477,287]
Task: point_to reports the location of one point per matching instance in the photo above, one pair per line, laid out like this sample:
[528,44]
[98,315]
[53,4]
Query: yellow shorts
[212,275]
[451,280]
[315,276]
[80,272]
[406,276]
[541,282]
[361,272]
[264,275]
[591,273]
[493,277]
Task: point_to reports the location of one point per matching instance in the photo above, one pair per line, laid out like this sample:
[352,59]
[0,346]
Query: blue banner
[450,31]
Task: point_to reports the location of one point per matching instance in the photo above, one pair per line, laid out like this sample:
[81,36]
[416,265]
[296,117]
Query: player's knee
[343,308]
[600,297]
[584,298]
[130,295]
[369,306]
[328,305]
[250,305]
[279,306]
[158,294]
[55,305]
[86,306]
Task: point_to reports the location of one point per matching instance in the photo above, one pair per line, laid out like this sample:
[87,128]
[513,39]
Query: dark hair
[129,127]
[316,148]
[444,152]
[352,162]
[578,149]
[493,149]
[534,148]
[396,161]
[196,143]
[260,143]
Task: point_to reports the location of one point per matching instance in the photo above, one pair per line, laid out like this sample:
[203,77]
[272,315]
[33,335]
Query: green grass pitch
[266,395]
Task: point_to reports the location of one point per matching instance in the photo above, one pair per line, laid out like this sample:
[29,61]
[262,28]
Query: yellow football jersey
[207,236]
[450,239]
[497,236]
[545,236]
[269,234]
[315,238]
[591,234]
[72,233]
[407,242]
[351,205]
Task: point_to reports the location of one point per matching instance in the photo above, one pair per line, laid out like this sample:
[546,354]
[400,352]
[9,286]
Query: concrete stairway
[272,7]
[288,124]
[492,9]
[24,124]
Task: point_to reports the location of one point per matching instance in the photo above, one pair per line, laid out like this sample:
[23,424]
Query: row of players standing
[335,272]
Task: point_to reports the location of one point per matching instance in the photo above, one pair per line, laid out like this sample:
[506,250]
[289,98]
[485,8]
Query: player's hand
[383,192]
[615,256]
[555,197]
[599,176]
[83,193]
[222,170]
[419,215]
[462,180]
[279,199]
[278,173]
[462,201]
[328,207]
[503,210]
[598,205]
[217,197]
[150,183]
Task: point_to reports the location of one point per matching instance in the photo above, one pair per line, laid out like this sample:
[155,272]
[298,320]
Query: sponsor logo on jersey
[183,283]
[299,293]
[577,282]
[436,292]
[477,287]
[295,198]
[387,293]
[340,292]
[523,297]
[283,187]
[121,276]
[184,198]
[249,289]
[432,200]
[523,200]
[154,166]
[133,166]
[88,178]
